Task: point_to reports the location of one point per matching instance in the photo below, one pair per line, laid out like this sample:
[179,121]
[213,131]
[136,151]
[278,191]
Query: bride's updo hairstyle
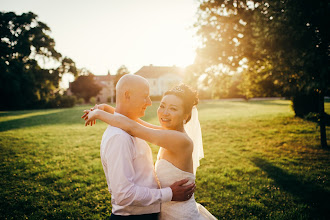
[188,95]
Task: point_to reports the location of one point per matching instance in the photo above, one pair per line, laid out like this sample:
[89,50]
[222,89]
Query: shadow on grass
[63,116]
[305,192]
[13,113]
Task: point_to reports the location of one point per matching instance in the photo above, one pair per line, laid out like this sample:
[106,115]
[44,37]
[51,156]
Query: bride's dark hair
[188,95]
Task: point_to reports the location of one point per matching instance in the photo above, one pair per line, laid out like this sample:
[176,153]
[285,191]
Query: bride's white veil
[193,129]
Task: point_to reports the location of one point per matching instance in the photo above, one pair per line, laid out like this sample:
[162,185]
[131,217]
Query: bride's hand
[87,111]
[95,107]
[90,117]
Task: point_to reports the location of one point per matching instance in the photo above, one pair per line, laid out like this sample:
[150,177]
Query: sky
[102,35]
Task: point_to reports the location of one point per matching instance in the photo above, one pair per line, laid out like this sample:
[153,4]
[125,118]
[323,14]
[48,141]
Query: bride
[180,141]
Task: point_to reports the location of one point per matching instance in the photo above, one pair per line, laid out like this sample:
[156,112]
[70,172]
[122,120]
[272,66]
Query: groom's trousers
[153,216]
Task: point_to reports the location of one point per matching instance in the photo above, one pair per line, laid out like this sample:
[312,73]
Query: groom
[127,161]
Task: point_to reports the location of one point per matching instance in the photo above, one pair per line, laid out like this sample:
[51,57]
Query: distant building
[161,78]
[107,94]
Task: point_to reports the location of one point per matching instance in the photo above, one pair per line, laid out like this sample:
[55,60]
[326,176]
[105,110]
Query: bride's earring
[184,121]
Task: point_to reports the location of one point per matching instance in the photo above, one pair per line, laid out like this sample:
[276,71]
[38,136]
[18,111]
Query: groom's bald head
[132,96]
[130,83]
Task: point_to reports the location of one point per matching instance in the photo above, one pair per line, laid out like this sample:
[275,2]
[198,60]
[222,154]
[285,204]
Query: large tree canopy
[283,45]
[25,49]
[283,41]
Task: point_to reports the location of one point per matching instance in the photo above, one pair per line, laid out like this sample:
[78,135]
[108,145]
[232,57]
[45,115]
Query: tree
[298,39]
[281,44]
[25,43]
[122,70]
[85,87]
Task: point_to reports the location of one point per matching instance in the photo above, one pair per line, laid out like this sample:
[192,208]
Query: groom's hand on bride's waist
[181,192]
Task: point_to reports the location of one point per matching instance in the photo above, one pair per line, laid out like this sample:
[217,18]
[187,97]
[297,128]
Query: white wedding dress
[168,174]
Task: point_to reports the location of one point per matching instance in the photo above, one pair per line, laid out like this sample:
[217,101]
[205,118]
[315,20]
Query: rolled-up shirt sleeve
[121,174]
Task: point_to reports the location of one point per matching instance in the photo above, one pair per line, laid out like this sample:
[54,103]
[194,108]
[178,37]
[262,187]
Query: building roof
[157,71]
[104,77]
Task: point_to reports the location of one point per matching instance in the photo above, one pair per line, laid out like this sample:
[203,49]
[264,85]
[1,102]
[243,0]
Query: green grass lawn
[260,162]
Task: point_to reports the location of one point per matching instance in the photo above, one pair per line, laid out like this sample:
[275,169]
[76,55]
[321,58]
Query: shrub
[53,102]
[80,101]
[61,101]
[92,100]
[67,101]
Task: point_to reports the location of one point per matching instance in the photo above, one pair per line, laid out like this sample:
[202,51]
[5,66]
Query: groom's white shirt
[128,166]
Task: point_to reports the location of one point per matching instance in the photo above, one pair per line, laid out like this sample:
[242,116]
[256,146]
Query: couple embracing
[140,190]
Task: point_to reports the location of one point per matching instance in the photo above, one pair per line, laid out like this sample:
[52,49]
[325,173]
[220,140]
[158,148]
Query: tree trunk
[322,121]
